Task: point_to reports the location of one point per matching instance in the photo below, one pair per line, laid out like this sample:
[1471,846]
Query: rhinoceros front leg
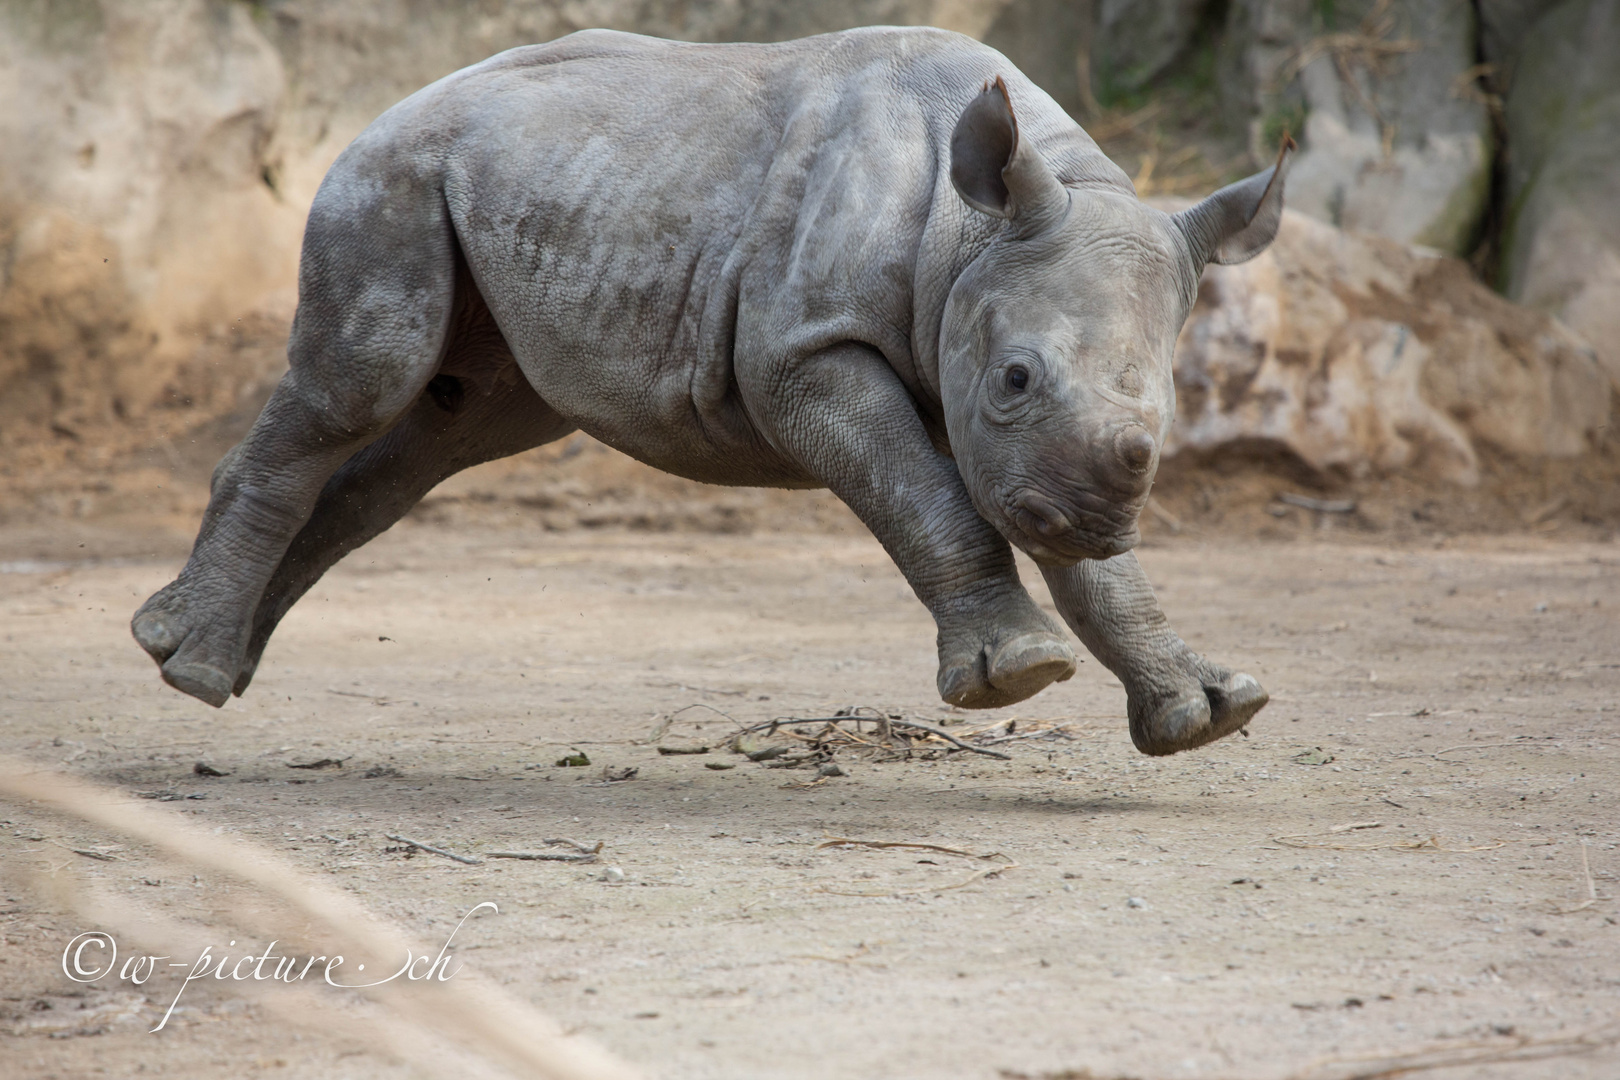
[847,419]
[1176,699]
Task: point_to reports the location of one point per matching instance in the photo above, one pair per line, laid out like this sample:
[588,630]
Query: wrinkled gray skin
[836,262]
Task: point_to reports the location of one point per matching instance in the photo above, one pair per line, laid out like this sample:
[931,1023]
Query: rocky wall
[1355,356]
[159,157]
[157,160]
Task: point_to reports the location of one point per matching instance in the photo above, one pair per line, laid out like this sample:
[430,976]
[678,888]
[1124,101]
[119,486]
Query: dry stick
[563,841]
[98,855]
[1297,840]
[842,841]
[1456,1056]
[543,856]
[977,875]
[1108,129]
[431,850]
[952,739]
[661,728]
[581,852]
[1044,733]
[469,1011]
[1591,886]
[1163,515]
[1322,506]
[1477,746]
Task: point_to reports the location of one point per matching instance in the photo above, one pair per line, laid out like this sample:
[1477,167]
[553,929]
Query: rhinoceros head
[1056,347]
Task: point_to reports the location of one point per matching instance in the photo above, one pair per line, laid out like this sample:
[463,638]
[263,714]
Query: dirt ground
[1194,916]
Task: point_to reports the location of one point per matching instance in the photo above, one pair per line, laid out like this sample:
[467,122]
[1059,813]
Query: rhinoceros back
[654,224]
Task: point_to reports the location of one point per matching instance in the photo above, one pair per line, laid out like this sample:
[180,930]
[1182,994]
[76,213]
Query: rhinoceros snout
[1082,498]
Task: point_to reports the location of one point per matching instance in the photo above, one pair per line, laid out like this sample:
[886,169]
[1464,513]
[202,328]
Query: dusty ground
[1154,926]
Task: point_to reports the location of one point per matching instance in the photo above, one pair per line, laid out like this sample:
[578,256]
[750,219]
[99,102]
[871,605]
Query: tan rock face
[134,213]
[1354,356]
[157,161]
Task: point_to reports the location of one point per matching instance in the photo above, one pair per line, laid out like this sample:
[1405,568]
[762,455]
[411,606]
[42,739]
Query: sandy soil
[1462,696]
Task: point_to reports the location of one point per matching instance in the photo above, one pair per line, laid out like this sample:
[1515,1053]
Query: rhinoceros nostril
[1044,515]
[1135,448]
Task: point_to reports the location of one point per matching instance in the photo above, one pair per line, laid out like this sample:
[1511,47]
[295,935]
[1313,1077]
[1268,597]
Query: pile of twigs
[873,735]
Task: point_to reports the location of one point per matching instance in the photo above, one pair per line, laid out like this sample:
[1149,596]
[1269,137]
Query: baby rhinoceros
[881,262]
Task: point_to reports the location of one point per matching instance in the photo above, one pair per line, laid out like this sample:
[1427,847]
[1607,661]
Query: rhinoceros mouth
[1069,547]
[1086,530]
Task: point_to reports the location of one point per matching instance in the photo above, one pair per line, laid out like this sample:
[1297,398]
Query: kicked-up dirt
[1414,848]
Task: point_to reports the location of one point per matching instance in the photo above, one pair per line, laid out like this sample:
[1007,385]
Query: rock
[1561,244]
[1137,40]
[1355,356]
[1049,40]
[1395,141]
[135,214]
[157,160]
[1503,27]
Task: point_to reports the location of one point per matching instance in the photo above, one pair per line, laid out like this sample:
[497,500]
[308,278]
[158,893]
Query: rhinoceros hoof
[1008,673]
[164,629]
[159,626]
[244,676]
[1217,708]
[204,682]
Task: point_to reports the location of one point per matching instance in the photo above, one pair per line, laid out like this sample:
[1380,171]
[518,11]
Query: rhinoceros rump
[879,261]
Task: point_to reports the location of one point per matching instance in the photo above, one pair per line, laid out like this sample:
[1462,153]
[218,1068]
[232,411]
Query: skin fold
[880,261]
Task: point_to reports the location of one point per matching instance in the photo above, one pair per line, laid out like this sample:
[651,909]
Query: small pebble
[1136,902]
[612,874]
[830,769]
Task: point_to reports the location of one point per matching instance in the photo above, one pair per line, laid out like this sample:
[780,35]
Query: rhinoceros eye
[1017,377]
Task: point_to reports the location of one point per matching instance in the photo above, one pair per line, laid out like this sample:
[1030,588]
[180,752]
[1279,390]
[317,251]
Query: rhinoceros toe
[1006,673]
[205,682]
[1030,663]
[1221,703]
[196,656]
[159,628]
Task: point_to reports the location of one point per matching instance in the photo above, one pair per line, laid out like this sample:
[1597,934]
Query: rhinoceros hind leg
[1176,700]
[375,292]
[448,430]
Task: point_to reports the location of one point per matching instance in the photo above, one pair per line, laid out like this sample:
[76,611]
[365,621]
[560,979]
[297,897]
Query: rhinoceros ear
[1239,221]
[995,171]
